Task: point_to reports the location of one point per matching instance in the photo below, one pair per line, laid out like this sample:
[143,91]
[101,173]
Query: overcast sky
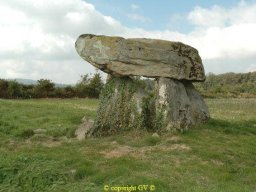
[37,36]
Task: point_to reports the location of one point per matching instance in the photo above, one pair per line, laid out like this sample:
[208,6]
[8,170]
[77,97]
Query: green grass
[217,156]
[57,116]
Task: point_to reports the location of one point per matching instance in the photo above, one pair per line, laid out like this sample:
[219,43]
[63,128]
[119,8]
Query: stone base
[179,105]
[120,107]
[127,104]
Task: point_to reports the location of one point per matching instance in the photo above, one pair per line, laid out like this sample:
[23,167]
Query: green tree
[44,88]
[28,91]
[89,86]
[95,85]
[14,89]
[84,79]
[3,88]
[69,92]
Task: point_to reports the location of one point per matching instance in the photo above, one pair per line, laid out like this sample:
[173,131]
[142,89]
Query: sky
[37,37]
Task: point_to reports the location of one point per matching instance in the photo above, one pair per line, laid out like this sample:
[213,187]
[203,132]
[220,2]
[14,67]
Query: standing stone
[121,107]
[178,105]
[126,104]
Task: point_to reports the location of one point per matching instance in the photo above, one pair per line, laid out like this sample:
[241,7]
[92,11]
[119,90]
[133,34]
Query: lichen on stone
[120,107]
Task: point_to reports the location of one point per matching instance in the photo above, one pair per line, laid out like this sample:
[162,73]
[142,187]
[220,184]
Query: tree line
[88,87]
[228,85]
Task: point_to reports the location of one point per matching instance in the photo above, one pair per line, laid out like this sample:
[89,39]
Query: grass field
[217,156]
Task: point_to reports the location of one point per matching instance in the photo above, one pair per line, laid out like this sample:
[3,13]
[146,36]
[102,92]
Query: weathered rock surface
[127,104]
[84,128]
[179,105]
[121,107]
[141,57]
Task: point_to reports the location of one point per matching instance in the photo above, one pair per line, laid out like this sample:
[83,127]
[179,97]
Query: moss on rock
[121,107]
[126,103]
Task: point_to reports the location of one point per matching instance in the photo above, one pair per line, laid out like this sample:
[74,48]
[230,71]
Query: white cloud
[251,68]
[37,37]
[234,41]
[135,6]
[138,17]
[225,34]
[136,14]
[216,16]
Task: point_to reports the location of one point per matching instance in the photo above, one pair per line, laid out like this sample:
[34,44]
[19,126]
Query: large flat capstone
[141,57]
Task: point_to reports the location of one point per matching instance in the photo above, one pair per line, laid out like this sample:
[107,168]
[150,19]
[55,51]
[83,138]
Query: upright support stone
[120,107]
[179,105]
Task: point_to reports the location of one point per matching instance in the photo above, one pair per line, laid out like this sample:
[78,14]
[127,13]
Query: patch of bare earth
[84,107]
[175,147]
[118,152]
[121,151]
[173,138]
[51,143]
[217,162]
[46,141]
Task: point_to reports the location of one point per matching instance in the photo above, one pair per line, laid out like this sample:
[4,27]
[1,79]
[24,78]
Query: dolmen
[128,103]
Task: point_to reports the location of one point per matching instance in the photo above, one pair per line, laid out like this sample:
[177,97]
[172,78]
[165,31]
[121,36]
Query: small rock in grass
[40,131]
[155,135]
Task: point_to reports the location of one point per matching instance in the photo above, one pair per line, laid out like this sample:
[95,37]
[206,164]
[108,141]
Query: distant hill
[228,85]
[25,81]
[34,82]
